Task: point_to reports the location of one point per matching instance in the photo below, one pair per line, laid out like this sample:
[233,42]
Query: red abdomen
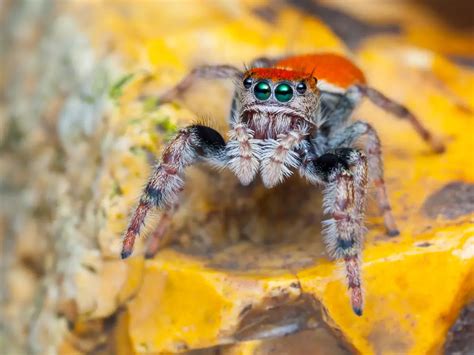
[330,69]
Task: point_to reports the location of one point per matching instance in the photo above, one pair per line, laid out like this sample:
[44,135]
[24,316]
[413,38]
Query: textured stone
[249,263]
[452,201]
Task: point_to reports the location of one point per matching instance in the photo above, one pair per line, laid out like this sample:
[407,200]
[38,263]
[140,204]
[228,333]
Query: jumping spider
[288,114]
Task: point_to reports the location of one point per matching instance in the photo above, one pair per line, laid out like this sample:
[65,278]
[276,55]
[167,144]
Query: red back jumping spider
[290,114]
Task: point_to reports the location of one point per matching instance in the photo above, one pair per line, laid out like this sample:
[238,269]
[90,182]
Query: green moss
[166,126]
[116,90]
[150,104]
[137,150]
[116,189]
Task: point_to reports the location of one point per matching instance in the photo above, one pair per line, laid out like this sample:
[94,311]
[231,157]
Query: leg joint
[328,163]
[152,195]
[208,136]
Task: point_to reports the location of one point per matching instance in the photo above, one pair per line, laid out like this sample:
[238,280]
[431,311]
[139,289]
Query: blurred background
[79,130]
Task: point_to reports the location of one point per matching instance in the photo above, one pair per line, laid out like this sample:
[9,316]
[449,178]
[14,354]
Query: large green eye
[262,90]
[283,92]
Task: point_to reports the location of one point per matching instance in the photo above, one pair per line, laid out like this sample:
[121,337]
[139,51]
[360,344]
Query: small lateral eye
[283,92]
[262,90]
[301,88]
[248,82]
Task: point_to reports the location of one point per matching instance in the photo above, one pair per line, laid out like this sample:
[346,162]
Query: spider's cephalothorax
[274,111]
[291,114]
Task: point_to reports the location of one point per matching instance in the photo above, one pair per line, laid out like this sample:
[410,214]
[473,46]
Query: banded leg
[344,174]
[202,72]
[157,235]
[374,156]
[402,112]
[166,181]
[279,156]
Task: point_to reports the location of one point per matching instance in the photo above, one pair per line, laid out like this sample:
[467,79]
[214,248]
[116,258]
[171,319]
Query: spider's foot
[356,300]
[393,232]
[150,254]
[438,146]
[127,246]
[125,253]
[357,311]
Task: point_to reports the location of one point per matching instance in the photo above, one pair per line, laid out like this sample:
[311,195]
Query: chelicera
[287,115]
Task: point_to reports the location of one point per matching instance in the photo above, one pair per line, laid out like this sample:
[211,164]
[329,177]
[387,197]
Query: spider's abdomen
[334,72]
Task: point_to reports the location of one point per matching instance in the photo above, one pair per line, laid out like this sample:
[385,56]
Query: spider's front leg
[190,145]
[347,137]
[344,175]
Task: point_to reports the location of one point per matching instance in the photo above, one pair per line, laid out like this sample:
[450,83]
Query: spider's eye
[248,83]
[283,92]
[262,90]
[301,88]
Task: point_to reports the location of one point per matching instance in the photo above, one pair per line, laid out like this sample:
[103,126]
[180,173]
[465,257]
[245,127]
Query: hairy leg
[279,156]
[243,152]
[263,62]
[202,72]
[166,181]
[344,175]
[158,233]
[373,149]
[400,111]
[335,111]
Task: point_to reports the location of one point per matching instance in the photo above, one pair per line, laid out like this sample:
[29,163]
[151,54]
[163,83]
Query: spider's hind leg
[159,232]
[263,62]
[402,112]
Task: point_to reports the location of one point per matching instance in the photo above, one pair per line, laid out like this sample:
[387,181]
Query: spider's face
[278,93]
